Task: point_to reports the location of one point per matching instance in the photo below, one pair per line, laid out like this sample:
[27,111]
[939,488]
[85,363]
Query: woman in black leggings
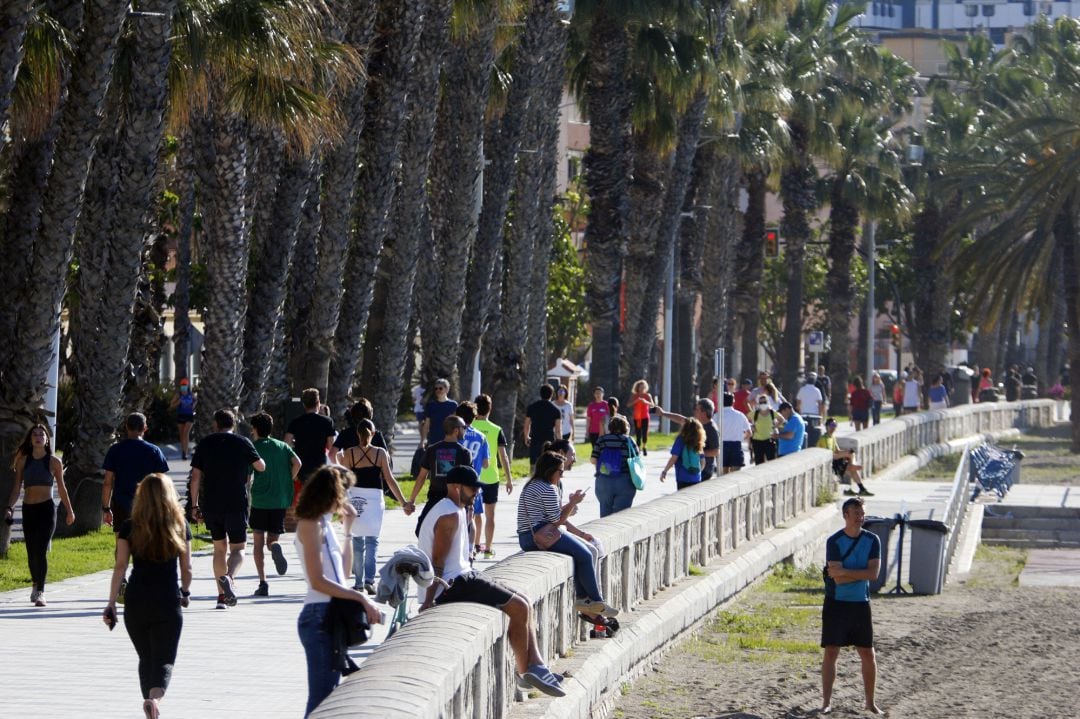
[37,470]
[156,539]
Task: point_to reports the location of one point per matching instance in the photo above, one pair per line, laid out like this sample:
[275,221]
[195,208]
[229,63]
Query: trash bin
[813,430]
[926,570]
[882,527]
[1029,391]
[961,389]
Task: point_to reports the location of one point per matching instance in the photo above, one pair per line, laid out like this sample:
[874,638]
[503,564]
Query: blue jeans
[363,559]
[584,570]
[615,492]
[318,649]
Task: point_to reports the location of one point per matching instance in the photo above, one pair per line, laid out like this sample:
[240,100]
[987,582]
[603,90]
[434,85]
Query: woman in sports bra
[38,470]
[371,465]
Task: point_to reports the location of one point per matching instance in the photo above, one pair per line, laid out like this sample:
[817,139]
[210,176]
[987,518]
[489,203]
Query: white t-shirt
[808,399]
[734,425]
[418,398]
[458,561]
[330,552]
[567,411]
[911,393]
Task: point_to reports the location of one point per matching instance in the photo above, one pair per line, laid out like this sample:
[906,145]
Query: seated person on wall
[843,463]
[444,537]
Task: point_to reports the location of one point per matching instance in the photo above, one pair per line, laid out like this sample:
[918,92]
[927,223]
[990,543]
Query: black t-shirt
[347,438]
[151,581]
[712,441]
[225,461]
[439,459]
[309,432]
[543,414]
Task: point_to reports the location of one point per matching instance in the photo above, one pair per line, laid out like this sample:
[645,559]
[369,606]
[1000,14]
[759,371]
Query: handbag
[345,615]
[546,536]
[636,465]
[830,583]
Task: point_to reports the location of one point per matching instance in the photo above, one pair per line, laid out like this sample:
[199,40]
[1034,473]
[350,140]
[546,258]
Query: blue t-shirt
[435,413]
[868,547]
[684,474]
[475,441]
[130,460]
[939,393]
[798,427]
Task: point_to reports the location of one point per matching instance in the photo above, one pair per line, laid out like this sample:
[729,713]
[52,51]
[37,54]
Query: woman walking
[371,466]
[566,412]
[184,404]
[686,455]
[539,506]
[877,393]
[640,405]
[614,488]
[861,401]
[763,422]
[37,470]
[155,539]
[320,555]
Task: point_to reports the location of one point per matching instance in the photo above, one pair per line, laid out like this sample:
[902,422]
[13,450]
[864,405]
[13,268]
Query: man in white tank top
[444,537]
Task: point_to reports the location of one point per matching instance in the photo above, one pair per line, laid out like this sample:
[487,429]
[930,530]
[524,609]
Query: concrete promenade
[247,660]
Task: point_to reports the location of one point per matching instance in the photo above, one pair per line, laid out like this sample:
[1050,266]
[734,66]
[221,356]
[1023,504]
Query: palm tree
[14,20]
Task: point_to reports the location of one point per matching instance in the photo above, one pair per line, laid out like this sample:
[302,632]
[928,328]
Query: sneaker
[588,606]
[369,587]
[489,553]
[34,594]
[540,677]
[850,493]
[40,599]
[864,492]
[280,563]
[221,602]
[523,684]
[123,590]
[262,591]
[644,451]
[227,590]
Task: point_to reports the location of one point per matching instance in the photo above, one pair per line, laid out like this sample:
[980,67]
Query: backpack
[691,460]
[611,461]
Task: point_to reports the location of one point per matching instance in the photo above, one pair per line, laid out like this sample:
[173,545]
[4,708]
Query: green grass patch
[825,495]
[940,468]
[789,578]
[72,557]
[1000,565]
[406,482]
[695,571]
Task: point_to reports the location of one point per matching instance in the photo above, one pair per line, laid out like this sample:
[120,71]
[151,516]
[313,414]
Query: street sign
[815,341]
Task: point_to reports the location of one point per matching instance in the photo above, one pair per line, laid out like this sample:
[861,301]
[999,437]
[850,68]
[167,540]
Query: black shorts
[478,589]
[185,418]
[860,415]
[839,466]
[845,624]
[271,521]
[593,436]
[231,524]
[119,516]
[490,493]
[733,454]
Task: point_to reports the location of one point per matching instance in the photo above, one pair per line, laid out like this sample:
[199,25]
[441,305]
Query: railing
[956,507]
[454,661]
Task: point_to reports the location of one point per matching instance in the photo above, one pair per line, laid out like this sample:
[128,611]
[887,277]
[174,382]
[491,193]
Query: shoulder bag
[635,464]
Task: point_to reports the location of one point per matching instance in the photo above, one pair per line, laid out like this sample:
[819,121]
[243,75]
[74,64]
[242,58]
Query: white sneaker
[588,606]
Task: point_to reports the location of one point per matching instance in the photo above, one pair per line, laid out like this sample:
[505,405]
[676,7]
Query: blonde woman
[686,455]
[156,539]
[38,470]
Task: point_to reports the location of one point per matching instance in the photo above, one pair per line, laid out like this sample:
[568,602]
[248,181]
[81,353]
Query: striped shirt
[539,503]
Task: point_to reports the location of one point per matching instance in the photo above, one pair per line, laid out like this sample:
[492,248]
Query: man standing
[271,496]
[444,537]
[742,397]
[597,415]
[809,399]
[543,423]
[311,434]
[438,460]
[824,385]
[736,429]
[703,412]
[484,519]
[853,558]
[790,439]
[435,413]
[126,463]
[220,468]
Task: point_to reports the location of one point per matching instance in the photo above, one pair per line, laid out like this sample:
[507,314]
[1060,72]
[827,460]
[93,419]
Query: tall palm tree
[14,19]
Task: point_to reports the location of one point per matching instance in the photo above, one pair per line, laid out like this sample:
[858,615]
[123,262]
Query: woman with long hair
[877,392]
[320,555]
[615,489]
[155,539]
[566,412]
[641,404]
[38,470]
[371,467]
[686,455]
[541,505]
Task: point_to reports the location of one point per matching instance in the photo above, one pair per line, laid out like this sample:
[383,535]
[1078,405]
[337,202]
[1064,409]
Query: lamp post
[870,231]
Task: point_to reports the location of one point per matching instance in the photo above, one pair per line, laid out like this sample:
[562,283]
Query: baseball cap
[184,381]
[465,476]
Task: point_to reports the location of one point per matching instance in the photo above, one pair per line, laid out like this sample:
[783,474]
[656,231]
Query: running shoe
[369,587]
[227,590]
[864,492]
[540,677]
[40,601]
[850,493]
[34,594]
[263,590]
[280,563]
[221,602]
[588,606]
[489,553]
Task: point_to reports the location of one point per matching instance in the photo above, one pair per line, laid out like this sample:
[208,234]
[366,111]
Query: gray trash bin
[882,527]
[926,572]
[813,430]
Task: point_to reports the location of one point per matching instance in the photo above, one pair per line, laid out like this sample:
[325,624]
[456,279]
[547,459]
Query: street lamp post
[870,230]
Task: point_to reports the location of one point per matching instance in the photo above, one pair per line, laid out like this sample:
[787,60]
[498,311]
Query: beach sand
[984,648]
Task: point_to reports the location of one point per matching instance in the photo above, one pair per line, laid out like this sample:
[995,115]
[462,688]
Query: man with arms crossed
[444,537]
[271,496]
[220,468]
[852,558]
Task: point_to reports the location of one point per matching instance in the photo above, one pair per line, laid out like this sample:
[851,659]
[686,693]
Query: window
[988,10]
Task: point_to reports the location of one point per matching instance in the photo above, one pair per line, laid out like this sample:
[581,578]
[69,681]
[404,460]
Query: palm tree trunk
[24,385]
[457,182]
[225,250]
[271,270]
[300,299]
[933,293]
[607,169]
[341,170]
[389,70]
[749,269]
[387,340]
[691,251]
[502,143]
[843,220]
[1065,237]
[182,293]
[797,186]
[14,20]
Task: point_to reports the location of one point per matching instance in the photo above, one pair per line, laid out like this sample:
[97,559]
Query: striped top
[539,503]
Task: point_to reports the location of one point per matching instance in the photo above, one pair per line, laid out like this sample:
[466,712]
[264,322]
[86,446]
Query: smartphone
[110,618]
